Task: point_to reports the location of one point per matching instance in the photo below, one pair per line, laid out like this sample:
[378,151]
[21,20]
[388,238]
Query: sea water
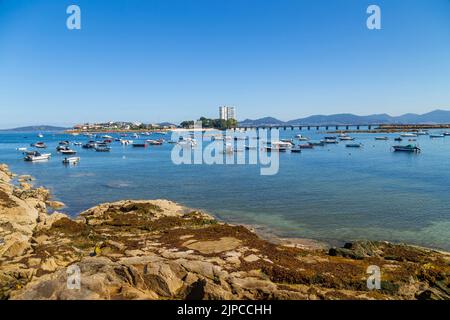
[330,193]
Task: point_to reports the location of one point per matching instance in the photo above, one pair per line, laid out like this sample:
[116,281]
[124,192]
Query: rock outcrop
[161,250]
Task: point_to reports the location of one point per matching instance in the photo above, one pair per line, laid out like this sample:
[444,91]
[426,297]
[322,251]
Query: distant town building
[226,113]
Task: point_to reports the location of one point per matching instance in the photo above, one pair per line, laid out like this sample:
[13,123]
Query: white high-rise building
[226,113]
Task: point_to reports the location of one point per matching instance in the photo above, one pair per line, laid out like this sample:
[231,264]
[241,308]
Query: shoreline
[158,249]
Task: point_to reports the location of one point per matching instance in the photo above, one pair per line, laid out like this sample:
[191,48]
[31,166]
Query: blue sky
[170,60]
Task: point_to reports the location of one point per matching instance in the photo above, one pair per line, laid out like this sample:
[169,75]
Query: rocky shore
[161,250]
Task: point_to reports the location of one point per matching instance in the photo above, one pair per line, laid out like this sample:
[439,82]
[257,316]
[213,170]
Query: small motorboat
[21,149]
[155,142]
[139,145]
[296,150]
[89,145]
[36,156]
[353,145]
[305,146]
[63,143]
[446,133]
[301,137]
[346,138]
[40,145]
[125,142]
[398,139]
[422,133]
[437,136]
[107,140]
[407,148]
[67,150]
[330,140]
[381,138]
[317,144]
[99,148]
[107,137]
[409,135]
[40,135]
[71,160]
[77,143]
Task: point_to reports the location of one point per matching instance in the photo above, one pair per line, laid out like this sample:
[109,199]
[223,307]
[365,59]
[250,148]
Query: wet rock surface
[160,250]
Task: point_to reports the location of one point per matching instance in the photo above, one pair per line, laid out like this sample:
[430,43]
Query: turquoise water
[330,193]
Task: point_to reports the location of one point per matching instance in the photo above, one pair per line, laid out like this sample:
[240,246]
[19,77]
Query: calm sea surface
[330,193]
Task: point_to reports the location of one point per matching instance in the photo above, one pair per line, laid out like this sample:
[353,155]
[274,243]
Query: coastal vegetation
[219,124]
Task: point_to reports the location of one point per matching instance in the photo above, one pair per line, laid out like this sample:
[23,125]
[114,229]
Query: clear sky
[171,60]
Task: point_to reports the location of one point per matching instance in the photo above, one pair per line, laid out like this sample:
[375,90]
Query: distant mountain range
[433,117]
[42,128]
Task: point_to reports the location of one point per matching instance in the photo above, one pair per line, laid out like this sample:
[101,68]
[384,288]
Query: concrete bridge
[313,127]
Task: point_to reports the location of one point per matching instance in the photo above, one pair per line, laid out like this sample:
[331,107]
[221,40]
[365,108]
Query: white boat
[71,160]
[346,138]
[155,142]
[422,133]
[21,149]
[78,143]
[36,156]
[67,151]
[126,142]
[408,135]
[301,138]
[106,137]
[437,136]
[40,135]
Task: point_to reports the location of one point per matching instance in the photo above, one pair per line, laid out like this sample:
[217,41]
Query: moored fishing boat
[40,145]
[398,139]
[437,135]
[318,144]
[382,138]
[346,138]
[410,135]
[139,145]
[101,148]
[67,150]
[407,148]
[36,156]
[296,150]
[155,142]
[353,145]
[306,146]
[330,140]
[71,160]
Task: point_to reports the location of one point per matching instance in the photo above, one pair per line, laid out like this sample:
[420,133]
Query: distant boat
[409,135]
[353,145]
[305,146]
[72,160]
[21,149]
[422,133]
[107,137]
[63,143]
[40,135]
[296,150]
[89,145]
[139,145]
[77,143]
[36,156]
[102,149]
[446,133]
[126,142]
[40,145]
[382,138]
[407,148]
[319,144]
[437,136]
[301,137]
[330,140]
[398,139]
[346,138]
[250,147]
[155,142]
[67,150]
